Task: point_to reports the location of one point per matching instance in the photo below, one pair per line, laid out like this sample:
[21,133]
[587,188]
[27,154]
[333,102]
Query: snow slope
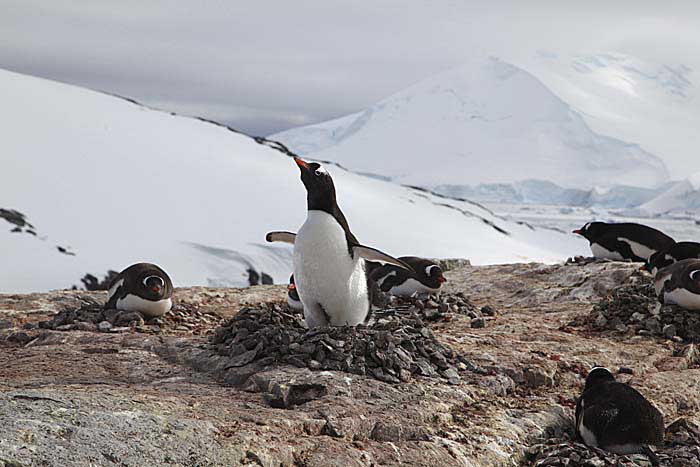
[116,183]
[485,122]
[651,103]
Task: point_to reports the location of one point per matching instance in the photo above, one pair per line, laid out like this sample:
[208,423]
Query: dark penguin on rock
[676,252]
[329,269]
[679,284]
[293,299]
[615,417]
[624,241]
[142,287]
[427,277]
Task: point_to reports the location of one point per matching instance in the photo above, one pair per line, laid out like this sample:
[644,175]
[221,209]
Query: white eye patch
[429,269]
[320,171]
[160,280]
[695,275]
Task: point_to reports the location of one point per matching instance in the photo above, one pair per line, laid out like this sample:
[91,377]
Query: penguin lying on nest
[624,241]
[615,417]
[679,284]
[142,287]
[427,277]
[329,271]
[676,252]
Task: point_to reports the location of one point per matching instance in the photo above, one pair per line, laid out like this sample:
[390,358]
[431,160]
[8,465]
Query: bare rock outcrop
[180,391]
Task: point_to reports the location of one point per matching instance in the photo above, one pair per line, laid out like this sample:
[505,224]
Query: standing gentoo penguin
[427,277]
[328,268]
[293,299]
[142,287]
[676,252]
[679,284]
[614,416]
[624,241]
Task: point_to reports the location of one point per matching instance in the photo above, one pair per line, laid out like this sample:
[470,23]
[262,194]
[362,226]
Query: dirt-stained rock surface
[177,392]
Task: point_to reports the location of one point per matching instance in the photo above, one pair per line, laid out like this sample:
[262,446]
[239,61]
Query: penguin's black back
[678,252]
[642,234]
[617,414]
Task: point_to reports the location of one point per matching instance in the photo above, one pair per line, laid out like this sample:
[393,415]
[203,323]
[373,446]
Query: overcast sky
[263,66]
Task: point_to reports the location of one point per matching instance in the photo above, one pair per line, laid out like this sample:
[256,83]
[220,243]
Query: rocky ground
[484,375]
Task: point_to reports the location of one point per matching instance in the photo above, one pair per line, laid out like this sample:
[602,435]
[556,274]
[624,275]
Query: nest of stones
[436,308]
[90,316]
[393,347]
[635,309]
[681,448]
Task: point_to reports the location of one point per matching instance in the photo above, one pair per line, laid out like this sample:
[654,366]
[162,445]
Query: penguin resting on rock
[427,277]
[329,270]
[624,241]
[679,284]
[676,252]
[615,417]
[142,287]
[293,299]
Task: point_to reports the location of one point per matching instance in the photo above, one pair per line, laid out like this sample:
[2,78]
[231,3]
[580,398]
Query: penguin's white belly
[601,252]
[409,287]
[683,298]
[638,249]
[628,448]
[325,273]
[587,435]
[145,307]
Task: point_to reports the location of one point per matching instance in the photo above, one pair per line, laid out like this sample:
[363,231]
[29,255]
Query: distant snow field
[113,183]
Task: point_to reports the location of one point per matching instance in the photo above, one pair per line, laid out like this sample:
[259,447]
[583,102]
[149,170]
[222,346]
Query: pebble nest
[396,345]
[681,449]
[90,316]
[634,309]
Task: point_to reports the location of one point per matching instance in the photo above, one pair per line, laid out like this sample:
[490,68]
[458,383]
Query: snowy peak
[653,104]
[485,122]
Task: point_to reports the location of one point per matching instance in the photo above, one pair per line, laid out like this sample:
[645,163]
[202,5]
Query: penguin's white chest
[601,252]
[683,298]
[143,306]
[326,275]
[409,287]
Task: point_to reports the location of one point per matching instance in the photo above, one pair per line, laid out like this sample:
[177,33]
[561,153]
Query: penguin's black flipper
[113,298]
[372,254]
[281,236]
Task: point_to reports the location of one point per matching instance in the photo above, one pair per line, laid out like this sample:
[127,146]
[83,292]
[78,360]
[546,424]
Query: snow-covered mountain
[485,122]
[111,182]
[681,198]
[654,104]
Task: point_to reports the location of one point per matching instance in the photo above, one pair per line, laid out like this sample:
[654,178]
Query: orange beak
[442,279]
[155,289]
[302,164]
[291,287]
[577,231]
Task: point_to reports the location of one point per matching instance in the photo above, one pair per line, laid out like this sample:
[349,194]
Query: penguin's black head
[658,260]
[435,276]
[591,230]
[320,191]
[152,287]
[597,376]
